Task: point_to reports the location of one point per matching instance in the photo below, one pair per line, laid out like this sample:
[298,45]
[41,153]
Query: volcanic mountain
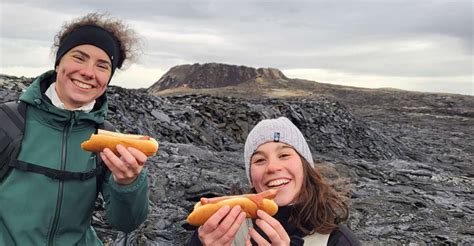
[217,79]
[230,80]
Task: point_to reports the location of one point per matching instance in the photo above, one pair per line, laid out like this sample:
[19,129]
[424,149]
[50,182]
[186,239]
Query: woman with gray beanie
[310,211]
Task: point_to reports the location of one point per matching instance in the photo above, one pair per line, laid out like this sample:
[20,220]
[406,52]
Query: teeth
[82,85]
[278,182]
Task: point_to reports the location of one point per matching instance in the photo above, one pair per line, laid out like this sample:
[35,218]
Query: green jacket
[38,210]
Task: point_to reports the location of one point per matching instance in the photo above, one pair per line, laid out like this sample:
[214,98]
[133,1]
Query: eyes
[257,161]
[261,159]
[102,66]
[79,57]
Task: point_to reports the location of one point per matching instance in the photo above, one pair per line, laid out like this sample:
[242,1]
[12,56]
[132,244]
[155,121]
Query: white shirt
[53,96]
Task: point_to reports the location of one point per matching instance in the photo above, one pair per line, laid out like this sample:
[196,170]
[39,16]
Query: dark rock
[160,116]
[409,159]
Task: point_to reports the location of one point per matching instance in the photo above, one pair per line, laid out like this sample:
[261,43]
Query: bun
[249,203]
[107,139]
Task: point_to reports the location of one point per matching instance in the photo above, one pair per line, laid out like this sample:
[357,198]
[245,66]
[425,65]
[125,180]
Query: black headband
[96,36]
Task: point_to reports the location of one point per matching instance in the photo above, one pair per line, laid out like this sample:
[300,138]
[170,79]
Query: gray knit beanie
[277,130]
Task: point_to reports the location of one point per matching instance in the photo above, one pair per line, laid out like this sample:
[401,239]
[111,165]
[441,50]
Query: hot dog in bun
[107,139]
[249,203]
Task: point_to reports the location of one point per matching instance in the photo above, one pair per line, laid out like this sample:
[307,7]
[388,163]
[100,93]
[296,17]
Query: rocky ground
[409,160]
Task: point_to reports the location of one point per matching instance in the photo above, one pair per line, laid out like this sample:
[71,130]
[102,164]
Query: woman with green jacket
[64,107]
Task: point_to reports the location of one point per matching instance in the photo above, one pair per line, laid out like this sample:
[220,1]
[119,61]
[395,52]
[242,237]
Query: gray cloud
[385,38]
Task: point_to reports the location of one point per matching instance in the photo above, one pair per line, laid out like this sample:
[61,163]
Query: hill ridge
[212,75]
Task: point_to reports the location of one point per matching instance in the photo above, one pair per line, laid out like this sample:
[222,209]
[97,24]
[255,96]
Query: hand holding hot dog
[249,203]
[126,168]
[123,154]
[222,226]
[272,228]
[221,217]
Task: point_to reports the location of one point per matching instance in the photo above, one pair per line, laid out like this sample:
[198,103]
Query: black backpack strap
[54,173]
[12,127]
[16,112]
[11,135]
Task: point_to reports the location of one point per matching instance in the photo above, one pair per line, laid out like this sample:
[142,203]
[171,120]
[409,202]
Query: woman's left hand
[270,226]
[126,168]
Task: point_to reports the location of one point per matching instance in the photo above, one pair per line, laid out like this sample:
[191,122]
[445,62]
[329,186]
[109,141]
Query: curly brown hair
[130,44]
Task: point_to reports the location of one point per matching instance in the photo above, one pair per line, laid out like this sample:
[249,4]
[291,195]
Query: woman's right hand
[220,228]
[272,228]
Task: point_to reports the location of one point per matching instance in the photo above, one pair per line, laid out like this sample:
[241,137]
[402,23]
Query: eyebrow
[284,147]
[88,57]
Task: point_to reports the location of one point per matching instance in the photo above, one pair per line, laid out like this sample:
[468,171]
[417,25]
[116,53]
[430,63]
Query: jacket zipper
[54,227]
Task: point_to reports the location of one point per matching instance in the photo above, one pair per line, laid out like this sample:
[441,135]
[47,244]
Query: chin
[282,201]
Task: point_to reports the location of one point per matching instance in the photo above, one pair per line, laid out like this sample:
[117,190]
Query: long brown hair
[319,206]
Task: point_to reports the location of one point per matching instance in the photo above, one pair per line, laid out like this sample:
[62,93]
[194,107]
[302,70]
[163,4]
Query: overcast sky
[420,45]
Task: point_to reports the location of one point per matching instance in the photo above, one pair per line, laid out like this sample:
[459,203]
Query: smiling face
[82,75]
[276,165]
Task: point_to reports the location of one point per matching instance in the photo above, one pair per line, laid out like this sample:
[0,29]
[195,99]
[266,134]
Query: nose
[87,71]
[274,165]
